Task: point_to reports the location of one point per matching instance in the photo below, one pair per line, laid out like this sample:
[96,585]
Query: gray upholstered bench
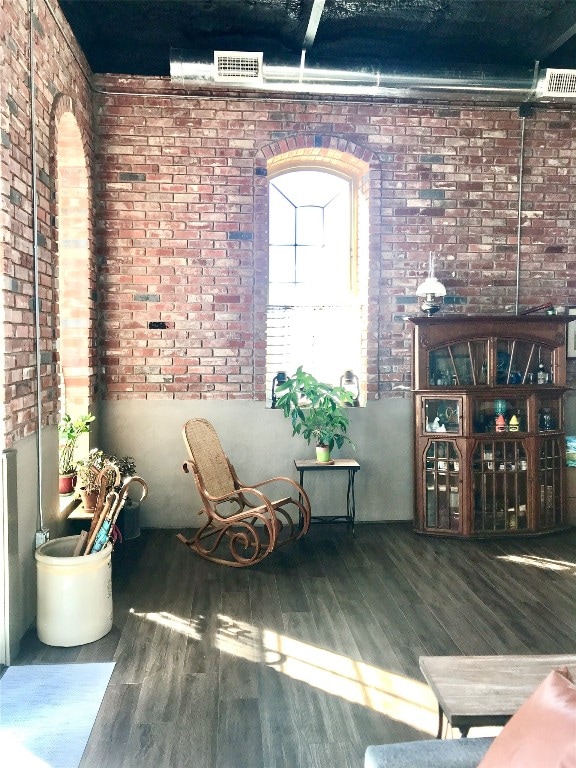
[430,753]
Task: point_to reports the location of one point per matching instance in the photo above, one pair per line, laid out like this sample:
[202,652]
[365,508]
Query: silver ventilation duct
[246,70]
[557,84]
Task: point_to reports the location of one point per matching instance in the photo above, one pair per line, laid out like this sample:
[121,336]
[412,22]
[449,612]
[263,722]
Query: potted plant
[317,411]
[126,465]
[69,431]
[89,472]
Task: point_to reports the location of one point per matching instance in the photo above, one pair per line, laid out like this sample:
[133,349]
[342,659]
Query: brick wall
[181,220]
[183,228]
[58,81]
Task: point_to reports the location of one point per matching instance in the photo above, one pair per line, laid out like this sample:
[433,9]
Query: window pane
[337,223]
[282,267]
[282,219]
[310,226]
[281,294]
[311,267]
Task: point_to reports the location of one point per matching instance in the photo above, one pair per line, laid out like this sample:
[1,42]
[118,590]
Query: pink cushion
[542,734]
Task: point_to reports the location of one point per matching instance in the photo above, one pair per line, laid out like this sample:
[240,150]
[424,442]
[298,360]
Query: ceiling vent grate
[558,82]
[237,67]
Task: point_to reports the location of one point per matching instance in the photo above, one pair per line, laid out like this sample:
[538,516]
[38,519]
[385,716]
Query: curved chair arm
[297,487]
[301,492]
[278,479]
[265,510]
[265,503]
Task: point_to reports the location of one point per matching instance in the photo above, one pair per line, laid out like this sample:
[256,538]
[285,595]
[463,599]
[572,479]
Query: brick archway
[76,305]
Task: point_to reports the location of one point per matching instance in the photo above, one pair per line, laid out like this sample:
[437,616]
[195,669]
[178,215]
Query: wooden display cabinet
[489,424]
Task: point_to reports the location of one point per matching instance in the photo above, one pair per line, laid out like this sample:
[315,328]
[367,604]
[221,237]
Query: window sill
[68,504]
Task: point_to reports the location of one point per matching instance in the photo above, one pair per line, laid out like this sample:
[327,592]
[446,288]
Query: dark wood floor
[305,659]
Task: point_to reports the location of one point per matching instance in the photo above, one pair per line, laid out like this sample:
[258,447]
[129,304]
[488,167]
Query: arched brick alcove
[75,271]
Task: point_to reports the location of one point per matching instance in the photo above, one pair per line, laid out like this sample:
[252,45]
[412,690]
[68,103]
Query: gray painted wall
[259,443]
[21,503]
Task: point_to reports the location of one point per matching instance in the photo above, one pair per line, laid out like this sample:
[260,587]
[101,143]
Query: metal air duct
[557,83]
[293,79]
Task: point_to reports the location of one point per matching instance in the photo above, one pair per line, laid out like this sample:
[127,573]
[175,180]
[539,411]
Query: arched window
[316,296]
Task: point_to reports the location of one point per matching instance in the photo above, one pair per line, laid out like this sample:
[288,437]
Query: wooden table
[349,465]
[485,690]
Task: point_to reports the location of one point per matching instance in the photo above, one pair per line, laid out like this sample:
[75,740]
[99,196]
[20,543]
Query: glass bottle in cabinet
[500,414]
[548,412]
[461,364]
[522,362]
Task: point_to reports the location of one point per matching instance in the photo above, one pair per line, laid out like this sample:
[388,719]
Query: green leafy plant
[69,431]
[126,465]
[89,468]
[315,409]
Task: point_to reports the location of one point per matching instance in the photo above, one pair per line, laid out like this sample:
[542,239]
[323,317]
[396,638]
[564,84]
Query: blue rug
[47,712]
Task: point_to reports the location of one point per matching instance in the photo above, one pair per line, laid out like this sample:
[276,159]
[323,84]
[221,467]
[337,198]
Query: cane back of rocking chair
[208,455]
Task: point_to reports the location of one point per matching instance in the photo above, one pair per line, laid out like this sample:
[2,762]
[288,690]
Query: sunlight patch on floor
[190,627]
[546,563]
[398,697]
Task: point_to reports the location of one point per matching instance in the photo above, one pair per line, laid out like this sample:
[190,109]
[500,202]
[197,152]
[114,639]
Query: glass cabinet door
[442,502]
[462,364]
[500,486]
[442,414]
[548,413]
[523,362]
[550,461]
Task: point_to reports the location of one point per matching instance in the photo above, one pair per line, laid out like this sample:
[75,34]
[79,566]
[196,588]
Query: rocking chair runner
[243,524]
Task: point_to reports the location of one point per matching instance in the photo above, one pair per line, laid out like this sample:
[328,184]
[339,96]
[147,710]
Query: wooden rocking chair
[243,524]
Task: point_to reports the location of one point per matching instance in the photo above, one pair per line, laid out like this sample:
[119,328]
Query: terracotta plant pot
[89,499]
[66,484]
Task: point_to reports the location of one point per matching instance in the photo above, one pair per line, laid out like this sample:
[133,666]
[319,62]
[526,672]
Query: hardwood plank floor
[308,657]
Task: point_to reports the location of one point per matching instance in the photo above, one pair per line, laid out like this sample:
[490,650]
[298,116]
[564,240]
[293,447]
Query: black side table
[347,465]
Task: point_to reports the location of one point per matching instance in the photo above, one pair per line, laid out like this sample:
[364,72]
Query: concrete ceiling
[432,36]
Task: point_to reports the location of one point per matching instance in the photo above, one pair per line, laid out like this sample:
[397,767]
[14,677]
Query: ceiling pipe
[313,22]
[520,205]
[294,79]
[36,270]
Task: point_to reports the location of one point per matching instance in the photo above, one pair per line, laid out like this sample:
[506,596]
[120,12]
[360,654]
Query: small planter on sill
[66,484]
[69,430]
[89,499]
